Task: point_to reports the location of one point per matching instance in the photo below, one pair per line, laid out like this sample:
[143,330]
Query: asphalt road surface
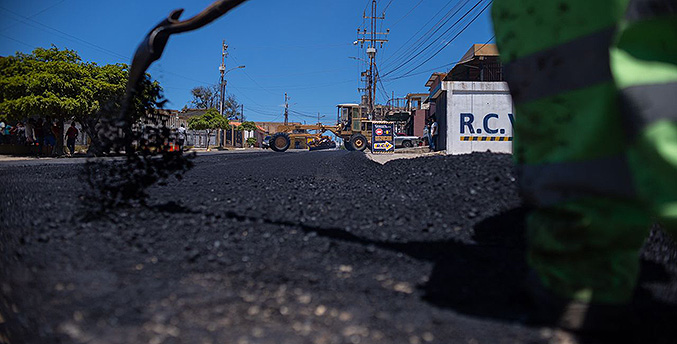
[311,247]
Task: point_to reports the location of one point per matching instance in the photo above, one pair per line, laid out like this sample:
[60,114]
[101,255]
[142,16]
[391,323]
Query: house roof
[237,124]
[416,95]
[434,77]
[477,50]
[192,112]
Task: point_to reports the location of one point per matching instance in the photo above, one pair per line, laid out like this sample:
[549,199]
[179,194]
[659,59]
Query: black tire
[280,142]
[407,144]
[348,145]
[359,142]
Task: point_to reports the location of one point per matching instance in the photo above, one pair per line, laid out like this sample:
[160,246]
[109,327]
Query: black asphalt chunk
[309,247]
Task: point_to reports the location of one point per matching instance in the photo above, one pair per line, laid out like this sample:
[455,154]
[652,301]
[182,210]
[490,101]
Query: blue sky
[301,47]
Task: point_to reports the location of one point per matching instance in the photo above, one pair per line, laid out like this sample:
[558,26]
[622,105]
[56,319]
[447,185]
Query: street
[303,247]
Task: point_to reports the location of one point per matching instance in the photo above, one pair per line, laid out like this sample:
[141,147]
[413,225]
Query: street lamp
[222,69]
[238,67]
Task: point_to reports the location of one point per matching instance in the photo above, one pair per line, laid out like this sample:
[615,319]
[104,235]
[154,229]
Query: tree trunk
[90,130]
[90,126]
[58,149]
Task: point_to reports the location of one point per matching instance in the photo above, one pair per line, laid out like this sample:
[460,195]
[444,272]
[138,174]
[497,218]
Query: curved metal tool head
[154,43]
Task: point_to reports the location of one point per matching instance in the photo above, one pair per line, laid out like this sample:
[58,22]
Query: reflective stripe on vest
[646,104]
[551,184]
[648,9]
[573,65]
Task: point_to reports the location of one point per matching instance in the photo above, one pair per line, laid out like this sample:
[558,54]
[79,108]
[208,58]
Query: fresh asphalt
[305,247]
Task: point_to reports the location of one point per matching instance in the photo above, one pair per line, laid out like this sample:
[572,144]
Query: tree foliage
[58,84]
[208,97]
[246,126]
[231,108]
[209,121]
[205,97]
[46,82]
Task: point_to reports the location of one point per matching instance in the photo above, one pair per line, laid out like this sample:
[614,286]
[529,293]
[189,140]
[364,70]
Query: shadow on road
[487,279]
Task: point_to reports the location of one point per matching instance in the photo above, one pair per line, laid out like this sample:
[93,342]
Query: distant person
[39,131]
[426,132]
[6,131]
[29,133]
[56,131]
[7,139]
[71,136]
[50,139]
[433,134]
[181,136]
[30,136]
[19,133]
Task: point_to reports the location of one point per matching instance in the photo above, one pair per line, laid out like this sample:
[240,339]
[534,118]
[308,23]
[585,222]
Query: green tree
[207,97]
[109,83]
[246,126]
[209,121]
[231,108]
[251,141]
[47,82]
[58,84]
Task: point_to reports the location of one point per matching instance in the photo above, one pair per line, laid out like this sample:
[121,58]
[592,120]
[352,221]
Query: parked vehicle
[265,144]
[406,141]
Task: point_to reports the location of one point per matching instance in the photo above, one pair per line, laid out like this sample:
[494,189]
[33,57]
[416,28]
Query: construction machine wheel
[407,144]
[348,145]
[359,142]
[280,142]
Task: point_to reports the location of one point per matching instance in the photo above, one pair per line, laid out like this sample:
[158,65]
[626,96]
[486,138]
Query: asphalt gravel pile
[312,247]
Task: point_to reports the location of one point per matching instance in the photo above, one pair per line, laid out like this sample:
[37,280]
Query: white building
[472,105]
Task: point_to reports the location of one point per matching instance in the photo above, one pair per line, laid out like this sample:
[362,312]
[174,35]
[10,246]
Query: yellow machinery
[352,127]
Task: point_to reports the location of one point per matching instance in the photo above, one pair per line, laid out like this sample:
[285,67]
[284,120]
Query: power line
[433,42]
[388,5]
[100,48]
[414,51]
[440,23]
[18,41]
[436,68]
[408,13]
[450,41]
[35,14]
[252,79]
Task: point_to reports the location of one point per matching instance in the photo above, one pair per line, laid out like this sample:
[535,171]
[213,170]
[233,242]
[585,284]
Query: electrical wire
[250,78]
[436,68]
[450,41]
[408,13]
[433,42]
[439,24]
[36,14]
[388,5]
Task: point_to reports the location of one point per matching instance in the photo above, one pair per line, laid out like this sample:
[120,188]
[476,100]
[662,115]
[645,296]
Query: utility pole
[222,100]
[372,38]
[286,109]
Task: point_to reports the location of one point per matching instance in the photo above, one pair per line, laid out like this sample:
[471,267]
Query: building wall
[442,119]
[419,122]
[478,112]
